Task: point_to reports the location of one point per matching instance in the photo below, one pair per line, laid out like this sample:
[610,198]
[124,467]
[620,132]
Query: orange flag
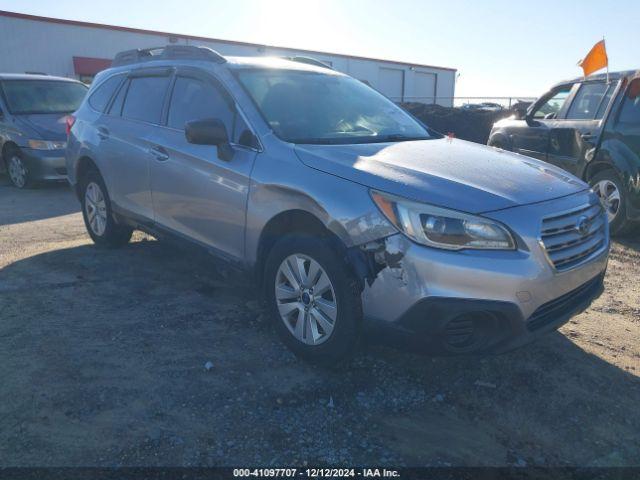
[595,59]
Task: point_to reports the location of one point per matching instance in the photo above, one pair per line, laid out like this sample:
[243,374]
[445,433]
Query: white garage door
[390,83]
[424,87]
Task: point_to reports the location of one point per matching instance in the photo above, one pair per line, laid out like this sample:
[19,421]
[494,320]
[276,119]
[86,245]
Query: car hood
[50,126]
[445,172]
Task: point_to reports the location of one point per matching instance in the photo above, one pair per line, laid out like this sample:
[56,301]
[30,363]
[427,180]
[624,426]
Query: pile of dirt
[472,125]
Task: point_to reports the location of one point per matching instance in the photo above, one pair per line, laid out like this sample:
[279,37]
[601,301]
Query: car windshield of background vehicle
[42,96]
[552,106]
[317,108]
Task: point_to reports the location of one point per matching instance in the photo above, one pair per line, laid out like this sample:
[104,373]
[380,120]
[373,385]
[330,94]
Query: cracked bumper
[507,298]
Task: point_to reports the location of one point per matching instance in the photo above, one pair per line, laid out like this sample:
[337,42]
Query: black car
[591,128]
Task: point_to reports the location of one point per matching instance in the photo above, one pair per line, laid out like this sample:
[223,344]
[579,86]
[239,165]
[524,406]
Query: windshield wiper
[317,141]
[396,137]
[399,137]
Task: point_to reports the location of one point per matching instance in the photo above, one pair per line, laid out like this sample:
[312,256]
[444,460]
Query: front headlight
[47,145]
[441,227]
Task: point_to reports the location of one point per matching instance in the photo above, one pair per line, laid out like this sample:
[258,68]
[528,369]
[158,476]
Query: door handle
[587,136]
[160,153]
[103,133]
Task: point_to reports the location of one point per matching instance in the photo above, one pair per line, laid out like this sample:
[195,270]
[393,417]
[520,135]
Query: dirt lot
[102,358]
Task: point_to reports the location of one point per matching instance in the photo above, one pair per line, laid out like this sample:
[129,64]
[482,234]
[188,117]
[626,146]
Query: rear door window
[630,113]
[605,101]
[145,98]
[587,102]
[101,96]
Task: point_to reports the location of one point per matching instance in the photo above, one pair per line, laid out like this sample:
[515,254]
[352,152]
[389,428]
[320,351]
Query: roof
[233,62]
[276,62]
[24,16]
[602,76]
[30,76]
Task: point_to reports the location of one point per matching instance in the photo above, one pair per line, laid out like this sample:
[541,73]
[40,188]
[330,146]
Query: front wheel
[97,214]
[314,298]
[613,197]
[17,169]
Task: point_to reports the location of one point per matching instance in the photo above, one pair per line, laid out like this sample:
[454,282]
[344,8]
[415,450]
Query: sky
[500,48]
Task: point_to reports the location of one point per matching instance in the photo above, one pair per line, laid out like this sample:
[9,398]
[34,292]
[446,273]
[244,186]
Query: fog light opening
[469,331]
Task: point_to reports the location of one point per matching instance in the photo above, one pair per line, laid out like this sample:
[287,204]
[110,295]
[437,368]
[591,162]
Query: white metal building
[32,44]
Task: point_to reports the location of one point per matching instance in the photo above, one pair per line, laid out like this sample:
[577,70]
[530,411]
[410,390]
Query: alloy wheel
[609,196]
[17,171]
[96,208]
[306,299]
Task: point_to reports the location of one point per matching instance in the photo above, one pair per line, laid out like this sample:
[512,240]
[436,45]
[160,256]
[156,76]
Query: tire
[332,345]
[605,184]
[17,170]
[97,213]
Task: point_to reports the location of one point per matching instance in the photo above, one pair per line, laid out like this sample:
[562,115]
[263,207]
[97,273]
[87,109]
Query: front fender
[626,163]
[501,138]
[345,208]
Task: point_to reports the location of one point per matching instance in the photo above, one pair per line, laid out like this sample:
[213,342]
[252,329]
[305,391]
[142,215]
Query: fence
[496,103]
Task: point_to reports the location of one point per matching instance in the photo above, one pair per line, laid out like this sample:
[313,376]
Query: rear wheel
[613,197]
[17,169]
[314,299]
[97,214]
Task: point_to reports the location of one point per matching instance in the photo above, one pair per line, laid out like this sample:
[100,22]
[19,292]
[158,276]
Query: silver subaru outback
[346,210]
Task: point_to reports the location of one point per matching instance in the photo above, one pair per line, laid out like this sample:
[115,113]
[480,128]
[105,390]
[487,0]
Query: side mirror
[209,131]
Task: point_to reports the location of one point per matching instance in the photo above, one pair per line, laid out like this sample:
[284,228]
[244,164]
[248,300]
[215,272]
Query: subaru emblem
[583,225]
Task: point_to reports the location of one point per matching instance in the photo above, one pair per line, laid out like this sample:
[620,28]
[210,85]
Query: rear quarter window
[99,99]
[116,105]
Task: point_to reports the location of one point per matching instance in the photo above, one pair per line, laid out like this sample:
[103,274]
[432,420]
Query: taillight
[69,121]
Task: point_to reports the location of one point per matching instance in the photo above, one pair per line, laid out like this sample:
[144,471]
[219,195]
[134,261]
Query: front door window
[553,105]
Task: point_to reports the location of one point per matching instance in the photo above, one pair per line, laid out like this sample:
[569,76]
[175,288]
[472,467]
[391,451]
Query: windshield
[311,107]
[42,96]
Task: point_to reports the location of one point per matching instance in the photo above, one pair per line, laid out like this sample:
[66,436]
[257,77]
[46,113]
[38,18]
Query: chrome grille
[565,244]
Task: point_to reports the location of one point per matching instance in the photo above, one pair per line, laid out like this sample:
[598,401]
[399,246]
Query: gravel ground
[103,353]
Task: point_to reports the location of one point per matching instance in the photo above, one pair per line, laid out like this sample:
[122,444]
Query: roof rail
[170,52]
[309,61]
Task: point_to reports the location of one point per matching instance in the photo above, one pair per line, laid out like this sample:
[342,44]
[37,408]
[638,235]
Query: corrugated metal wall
[28,45]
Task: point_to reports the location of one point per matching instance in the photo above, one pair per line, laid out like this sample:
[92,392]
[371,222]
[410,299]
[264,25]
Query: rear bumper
[45,164]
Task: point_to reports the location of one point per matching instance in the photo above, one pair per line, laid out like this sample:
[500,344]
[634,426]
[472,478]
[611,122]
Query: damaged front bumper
[479,301]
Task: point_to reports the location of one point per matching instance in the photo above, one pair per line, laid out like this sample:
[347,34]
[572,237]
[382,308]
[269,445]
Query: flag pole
[605,49]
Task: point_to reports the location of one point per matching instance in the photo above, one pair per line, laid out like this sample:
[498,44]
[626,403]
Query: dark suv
[591,128]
